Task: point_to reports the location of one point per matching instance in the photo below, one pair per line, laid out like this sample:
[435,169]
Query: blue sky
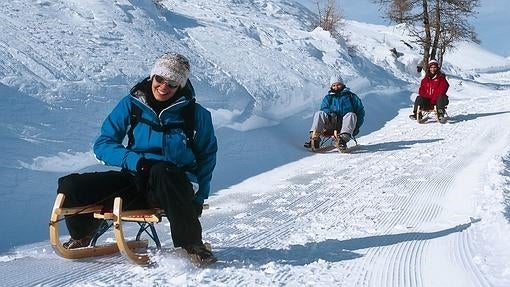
[491,24]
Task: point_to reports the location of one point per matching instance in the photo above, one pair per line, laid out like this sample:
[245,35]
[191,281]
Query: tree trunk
[437,29]
[428,37]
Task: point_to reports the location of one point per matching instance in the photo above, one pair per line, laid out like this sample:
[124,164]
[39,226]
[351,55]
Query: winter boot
[415,117]
[200,254]
[316,141]
[341,141]
[78,243]
[441,115]
[341,144]
[346,137]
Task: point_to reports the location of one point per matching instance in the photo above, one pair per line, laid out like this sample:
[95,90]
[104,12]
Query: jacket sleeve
[360,113]
[108,147]
[205,148]
[422,90]
[443,86]
[326,105]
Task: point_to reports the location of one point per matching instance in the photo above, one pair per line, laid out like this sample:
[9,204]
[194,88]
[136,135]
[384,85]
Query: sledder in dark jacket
[160,167]
[340,109]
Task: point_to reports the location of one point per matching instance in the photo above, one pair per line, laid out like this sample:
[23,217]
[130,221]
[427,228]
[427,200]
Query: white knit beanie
[336,79]
[172,66]
[433,62]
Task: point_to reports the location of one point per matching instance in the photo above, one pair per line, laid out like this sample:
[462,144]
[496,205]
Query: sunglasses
[162,80]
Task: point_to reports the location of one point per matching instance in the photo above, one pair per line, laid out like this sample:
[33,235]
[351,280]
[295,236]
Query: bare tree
[398,11]
[454,26]
[329,17]
[444,22]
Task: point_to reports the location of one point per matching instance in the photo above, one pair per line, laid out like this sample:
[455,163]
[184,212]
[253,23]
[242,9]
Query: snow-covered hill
[403,210]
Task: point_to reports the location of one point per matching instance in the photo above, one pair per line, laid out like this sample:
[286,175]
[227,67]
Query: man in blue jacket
[340,110]
[161,166]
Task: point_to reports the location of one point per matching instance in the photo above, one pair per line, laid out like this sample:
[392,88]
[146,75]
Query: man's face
[336,86]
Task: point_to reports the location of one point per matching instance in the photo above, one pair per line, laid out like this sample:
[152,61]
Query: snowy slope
[414,205]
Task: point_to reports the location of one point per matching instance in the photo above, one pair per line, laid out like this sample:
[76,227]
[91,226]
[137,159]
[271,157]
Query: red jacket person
[432,91]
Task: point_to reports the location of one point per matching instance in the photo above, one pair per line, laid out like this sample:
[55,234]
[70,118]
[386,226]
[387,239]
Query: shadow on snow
[331,250]
[469,117]
[390,146]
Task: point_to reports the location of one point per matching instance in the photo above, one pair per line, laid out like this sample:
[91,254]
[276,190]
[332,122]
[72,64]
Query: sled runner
[328,141]
[422,115]
[145,218]
[134,250]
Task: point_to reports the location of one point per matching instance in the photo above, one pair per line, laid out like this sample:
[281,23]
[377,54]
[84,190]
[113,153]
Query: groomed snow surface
[412,205]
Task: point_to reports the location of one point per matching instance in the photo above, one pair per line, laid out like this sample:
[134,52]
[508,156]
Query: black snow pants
[424,103]
[168,188]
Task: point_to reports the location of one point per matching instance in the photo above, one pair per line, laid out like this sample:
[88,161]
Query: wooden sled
[425,114]
[146,219]
[328,141]
[149,216]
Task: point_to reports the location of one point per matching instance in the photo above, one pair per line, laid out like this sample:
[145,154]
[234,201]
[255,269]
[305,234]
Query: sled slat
[78,210]
[142,215]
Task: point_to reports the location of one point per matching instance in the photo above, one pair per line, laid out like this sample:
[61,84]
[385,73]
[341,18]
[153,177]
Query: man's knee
[349,122]
[421,101]
[442,101]
[351,116]
[68,184]
[424,103]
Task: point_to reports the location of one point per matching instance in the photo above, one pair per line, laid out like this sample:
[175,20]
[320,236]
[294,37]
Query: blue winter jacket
[160,145]
[344,102]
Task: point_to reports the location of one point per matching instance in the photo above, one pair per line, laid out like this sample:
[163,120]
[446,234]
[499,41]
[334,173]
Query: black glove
[143,170]
[198,208]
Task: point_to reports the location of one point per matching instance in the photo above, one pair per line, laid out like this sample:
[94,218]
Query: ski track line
[278,216]
[462,252]
[462,246]
[52,275]
[116,267]
[399,261]
[435,191]
[57,275]
[401,201]
[288,225]
[439,187]
[309,201]
[267,237]
[413,246]
[353,189]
